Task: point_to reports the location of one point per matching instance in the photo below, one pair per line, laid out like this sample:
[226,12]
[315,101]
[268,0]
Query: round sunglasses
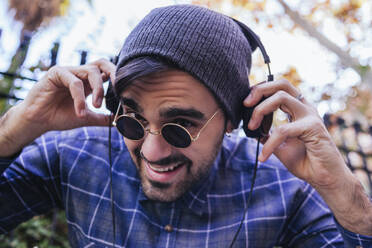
[175,134]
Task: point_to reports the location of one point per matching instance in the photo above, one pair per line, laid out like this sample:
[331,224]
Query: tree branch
[345,58]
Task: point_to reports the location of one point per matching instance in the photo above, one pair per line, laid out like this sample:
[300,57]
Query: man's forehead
[167,111]
[171,84]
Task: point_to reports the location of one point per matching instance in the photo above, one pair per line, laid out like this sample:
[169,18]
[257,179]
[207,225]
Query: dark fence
[354,140]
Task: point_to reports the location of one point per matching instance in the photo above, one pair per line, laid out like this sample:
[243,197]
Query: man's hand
[305,147]
[56,102]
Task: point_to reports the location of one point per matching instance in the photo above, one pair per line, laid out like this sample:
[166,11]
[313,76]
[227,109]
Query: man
[177,181]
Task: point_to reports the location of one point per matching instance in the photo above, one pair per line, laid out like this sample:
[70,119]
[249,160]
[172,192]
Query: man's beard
[158,191]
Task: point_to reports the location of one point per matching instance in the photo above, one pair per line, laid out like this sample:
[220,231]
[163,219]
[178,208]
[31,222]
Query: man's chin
[159,185]
[162,192]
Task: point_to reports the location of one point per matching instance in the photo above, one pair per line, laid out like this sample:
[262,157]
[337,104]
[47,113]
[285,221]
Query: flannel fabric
[70,170]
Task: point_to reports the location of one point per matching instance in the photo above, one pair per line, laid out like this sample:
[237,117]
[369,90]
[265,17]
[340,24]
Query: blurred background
[324,47]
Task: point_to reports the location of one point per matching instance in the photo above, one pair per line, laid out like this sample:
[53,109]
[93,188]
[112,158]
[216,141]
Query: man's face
[173,96]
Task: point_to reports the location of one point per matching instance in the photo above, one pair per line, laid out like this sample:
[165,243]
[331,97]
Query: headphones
[254,41]
[266,123]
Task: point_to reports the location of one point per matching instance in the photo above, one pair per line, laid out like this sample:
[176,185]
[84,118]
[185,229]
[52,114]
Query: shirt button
[168,228]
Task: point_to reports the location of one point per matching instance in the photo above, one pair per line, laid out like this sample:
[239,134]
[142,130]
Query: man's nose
[154,146]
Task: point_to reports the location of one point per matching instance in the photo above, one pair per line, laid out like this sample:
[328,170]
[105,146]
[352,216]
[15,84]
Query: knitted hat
[208,45]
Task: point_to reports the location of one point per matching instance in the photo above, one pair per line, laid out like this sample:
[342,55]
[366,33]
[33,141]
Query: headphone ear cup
[263,129]
[247,114]
[112,102]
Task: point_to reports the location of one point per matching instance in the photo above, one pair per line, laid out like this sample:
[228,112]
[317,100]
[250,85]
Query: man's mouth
[166,170]
[161,169]
[162,173]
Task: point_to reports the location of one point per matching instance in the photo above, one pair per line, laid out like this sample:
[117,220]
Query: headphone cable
[250,193]
[111,191]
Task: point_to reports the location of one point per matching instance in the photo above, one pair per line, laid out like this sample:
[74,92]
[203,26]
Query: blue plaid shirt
[70,170]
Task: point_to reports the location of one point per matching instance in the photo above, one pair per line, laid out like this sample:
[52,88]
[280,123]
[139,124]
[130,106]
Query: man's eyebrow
[188,112]
[132,104]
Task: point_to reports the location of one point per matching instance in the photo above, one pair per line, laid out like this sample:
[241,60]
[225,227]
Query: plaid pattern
[70,170]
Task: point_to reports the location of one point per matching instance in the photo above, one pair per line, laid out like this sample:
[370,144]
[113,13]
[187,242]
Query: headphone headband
[254,41]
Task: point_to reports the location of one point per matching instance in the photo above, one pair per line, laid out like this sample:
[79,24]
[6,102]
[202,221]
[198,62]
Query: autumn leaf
[292,76]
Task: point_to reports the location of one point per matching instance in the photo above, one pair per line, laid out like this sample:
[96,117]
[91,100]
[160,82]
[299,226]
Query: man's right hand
[56,102]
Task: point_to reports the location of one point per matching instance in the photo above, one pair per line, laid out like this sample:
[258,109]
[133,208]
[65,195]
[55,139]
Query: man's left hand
[306,148]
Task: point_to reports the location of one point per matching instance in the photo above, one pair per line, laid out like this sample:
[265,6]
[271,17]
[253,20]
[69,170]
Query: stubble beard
[163,191]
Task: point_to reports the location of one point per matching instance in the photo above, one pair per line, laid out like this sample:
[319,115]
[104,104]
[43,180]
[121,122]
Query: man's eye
[185,123]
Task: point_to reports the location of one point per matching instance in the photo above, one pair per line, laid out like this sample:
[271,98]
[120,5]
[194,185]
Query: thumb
[98,119]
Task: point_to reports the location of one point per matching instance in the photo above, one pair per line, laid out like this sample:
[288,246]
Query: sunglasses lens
[130,128]
[176,136]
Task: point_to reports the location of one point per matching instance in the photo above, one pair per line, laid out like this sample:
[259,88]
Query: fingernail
[261,158]
[248,99]
[83,112]
[99,101]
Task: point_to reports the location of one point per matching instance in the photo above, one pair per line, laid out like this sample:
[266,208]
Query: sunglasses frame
[158,132]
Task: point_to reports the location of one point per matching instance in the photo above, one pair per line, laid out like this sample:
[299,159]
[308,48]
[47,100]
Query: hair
[133,70]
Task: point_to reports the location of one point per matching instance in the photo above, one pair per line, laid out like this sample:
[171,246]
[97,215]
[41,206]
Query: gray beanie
[208,45]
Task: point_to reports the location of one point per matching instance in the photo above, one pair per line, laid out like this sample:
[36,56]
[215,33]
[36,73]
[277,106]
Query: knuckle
[284,82]
[315,122]
[257,111]
[54,73]
[92,69]
[102,61]
[75,84]
[287,83]
[281,130]
[281,94]
[54,70]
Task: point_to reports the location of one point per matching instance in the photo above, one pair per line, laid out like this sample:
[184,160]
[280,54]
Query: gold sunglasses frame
[158,132]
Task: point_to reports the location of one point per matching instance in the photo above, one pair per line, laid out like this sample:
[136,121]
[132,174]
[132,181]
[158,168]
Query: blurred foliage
[292,76]
[349,20]
[34,14]
[48,231]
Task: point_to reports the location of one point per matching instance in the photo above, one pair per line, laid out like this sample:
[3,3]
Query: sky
[101,29]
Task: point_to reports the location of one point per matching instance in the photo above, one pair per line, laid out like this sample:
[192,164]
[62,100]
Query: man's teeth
[164,169]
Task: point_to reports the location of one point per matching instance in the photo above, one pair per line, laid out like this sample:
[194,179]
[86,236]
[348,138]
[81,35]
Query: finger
[107,67]
[280,99]
[276,142]
[77,93]
[97,119]
[96,83]
[267,89]
[104,76]
[93,80]
[60,76]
